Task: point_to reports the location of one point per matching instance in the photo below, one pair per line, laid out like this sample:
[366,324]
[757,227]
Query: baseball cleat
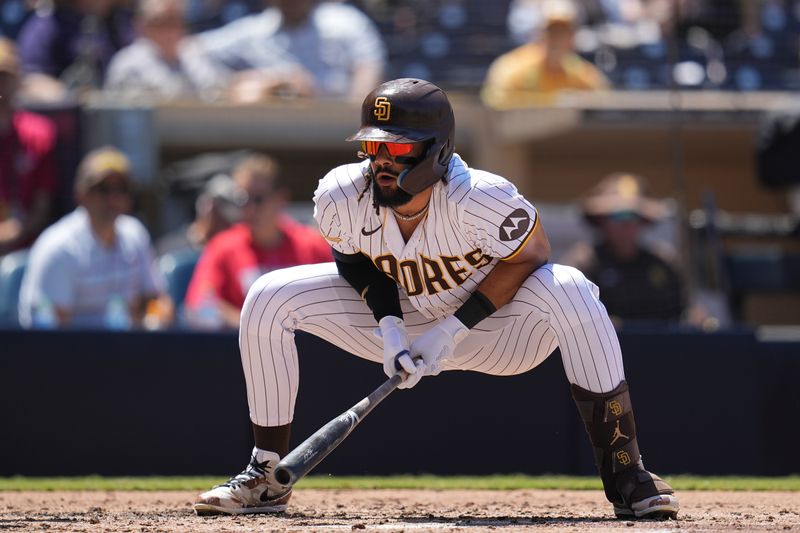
[650,496]
[253,491]
[661,507]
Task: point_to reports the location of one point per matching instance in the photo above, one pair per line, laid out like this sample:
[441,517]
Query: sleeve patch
[515,225]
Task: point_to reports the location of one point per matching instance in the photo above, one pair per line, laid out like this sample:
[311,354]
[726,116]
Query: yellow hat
[98,165]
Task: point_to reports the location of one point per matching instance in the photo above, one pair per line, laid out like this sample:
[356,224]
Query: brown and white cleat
[659,507]
[645,496]
[253,491]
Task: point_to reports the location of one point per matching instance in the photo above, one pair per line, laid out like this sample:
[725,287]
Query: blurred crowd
[89,262]
[248,50]
[644,44]
[194,49]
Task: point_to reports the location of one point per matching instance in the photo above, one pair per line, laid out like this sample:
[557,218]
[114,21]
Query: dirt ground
[393,510]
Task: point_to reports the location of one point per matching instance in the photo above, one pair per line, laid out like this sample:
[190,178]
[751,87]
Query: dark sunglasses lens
[106,189]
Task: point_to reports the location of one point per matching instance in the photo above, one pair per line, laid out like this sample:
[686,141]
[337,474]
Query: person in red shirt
[28,172]
[265,240]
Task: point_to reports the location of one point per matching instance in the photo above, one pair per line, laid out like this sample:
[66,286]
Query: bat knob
[397,365]
[283,476]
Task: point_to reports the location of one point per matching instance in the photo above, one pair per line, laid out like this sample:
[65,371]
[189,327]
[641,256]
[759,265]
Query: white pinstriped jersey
[475,219]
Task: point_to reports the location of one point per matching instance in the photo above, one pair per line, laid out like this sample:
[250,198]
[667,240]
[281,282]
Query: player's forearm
[507,276]
[505,279]
[496,290]
[377,289]
[501,284]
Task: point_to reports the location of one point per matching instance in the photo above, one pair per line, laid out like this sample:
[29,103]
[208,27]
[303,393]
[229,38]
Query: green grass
[791,483]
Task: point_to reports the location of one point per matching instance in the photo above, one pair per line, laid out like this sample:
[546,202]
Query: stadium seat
[12,268]
[177,268]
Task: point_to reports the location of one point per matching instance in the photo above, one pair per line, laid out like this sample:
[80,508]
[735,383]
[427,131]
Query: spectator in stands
[161,63]
[28,174]
[299,48]
[67,45]
[526,17]
[266,240]
[94,267]
[637,281]
[533,72]
[217,208]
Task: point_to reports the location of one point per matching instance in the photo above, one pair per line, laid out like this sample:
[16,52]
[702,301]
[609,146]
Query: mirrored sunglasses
[371,148]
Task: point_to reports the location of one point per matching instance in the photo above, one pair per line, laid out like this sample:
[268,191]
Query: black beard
[395,199]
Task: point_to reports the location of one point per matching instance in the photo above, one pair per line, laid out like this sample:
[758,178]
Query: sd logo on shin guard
[623,457]
[615,407]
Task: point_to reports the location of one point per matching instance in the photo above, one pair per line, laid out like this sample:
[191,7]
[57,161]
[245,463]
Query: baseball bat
[315,448]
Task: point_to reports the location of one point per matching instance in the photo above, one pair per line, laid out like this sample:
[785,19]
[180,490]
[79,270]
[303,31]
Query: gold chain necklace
[409,218]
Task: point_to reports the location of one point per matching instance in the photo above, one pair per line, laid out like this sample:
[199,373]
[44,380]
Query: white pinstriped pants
[556,306]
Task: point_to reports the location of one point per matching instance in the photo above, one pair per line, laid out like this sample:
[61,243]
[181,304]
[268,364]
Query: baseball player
[451,264]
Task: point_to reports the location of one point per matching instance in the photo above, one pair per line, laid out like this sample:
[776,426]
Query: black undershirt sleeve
[377,289]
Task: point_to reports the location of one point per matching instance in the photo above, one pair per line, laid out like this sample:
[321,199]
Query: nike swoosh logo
[366,233]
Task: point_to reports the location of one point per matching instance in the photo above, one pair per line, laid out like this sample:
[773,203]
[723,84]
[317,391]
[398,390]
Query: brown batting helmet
[409,110]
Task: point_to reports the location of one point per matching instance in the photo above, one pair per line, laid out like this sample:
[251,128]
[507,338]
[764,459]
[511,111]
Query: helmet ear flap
[428,171]
[440,158]
[446,152]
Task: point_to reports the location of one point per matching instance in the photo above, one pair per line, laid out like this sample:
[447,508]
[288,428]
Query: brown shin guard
[608,418]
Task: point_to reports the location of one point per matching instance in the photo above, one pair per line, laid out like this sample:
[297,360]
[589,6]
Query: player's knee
[580,282]
[568,292]
[561,277]
[262,298]
[567,276]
